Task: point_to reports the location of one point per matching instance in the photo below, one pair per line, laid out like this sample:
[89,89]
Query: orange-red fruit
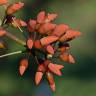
[55,69]
[14,8]
[29,43]
[46,28]
[48,40]
[38,77]
[2,2]
[49,49]
[51,80]
[41,17]
[23,66]
[31,25]
[70,34]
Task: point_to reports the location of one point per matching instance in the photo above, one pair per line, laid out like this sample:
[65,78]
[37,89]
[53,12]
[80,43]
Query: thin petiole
[10,54]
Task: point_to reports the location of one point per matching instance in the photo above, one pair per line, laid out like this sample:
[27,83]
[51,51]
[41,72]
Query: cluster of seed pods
[44,37]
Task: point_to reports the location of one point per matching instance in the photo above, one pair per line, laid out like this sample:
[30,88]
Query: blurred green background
[78,79]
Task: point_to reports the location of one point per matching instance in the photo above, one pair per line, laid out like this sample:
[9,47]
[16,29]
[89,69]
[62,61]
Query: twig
[15,38]
[9,54]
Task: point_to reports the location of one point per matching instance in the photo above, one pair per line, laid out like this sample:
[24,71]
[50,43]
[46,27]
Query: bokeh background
[78,79]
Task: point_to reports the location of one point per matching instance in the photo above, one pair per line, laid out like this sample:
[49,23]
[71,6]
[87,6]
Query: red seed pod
[46,28]
[49,49]
[29,43]
[37,44]
[14,8]
[48,40]
[60,30]
[38,77]
[70,34]
[55,68]
[39,74]
[31,25]
[51,80]
[41,17]
[2,2]
[23,66]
